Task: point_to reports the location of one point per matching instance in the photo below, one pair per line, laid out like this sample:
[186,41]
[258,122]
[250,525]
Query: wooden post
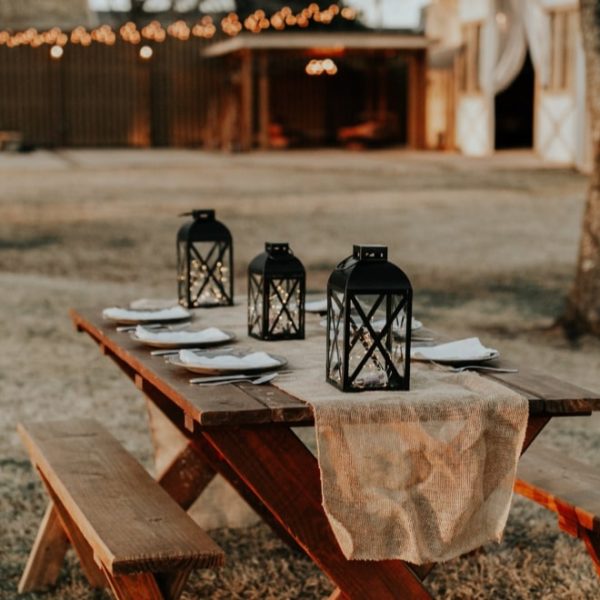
[417,86]
[246,101]
[263,101]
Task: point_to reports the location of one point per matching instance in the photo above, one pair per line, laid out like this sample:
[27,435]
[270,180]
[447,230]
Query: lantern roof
[368,270]
[203,228]
[277,260]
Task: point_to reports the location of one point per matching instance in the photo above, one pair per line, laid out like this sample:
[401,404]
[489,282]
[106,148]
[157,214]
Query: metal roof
[363,40]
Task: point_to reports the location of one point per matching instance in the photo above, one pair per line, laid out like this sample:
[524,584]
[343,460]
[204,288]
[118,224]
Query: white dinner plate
[213,369]
[178,342]
[459,362]
[127,316]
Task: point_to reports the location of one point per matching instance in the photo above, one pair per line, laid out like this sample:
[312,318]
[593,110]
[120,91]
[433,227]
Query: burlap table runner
[421,476]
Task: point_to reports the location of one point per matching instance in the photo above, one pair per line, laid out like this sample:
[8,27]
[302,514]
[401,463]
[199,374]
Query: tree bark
[582,314]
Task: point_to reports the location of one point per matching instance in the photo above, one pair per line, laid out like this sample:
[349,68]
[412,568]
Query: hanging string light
[205,28]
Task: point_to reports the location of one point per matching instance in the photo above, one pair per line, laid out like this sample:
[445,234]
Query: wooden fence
[108,95]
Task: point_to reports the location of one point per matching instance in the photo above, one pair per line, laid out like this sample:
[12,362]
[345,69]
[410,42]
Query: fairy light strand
[204,28]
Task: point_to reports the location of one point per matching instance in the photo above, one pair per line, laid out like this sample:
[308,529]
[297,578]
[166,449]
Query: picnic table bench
[126,530]
[244,432]
[566,486]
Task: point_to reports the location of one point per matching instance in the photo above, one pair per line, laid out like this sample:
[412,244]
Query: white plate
[458,363]
[316,306]
[126,316]
[183,344]
[212,370]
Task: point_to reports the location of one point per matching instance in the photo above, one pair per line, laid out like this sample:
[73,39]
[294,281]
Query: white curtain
[510,28]
[536,21]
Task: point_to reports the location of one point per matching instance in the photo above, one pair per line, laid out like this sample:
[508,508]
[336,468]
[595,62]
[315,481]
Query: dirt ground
[489,244]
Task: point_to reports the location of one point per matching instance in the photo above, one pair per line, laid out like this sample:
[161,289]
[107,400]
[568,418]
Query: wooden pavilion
[276,92]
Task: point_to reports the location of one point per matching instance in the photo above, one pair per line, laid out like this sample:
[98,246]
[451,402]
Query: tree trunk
[582,314]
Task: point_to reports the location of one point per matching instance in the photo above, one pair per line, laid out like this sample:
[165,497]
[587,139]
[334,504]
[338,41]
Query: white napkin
[152,303]
[166,314]
[205,336]
[256,360]
[316,306]
[461,350]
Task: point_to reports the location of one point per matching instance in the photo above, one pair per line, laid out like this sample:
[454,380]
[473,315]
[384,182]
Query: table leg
[180,469]
[206,455]
[284,475]
[534,428]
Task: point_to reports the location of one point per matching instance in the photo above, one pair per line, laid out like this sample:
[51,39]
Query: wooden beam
[83,549]
[186,477]
[246,101]
[263,101]
[284,475]
[47,555]
[417,90]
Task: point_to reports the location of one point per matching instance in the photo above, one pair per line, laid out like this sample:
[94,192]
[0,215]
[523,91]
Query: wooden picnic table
[244,432]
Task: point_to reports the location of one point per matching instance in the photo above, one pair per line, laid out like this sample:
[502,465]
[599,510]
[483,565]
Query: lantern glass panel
[335,316]
[285,301]
[209,273]
[369,308]
[376,346]
[255,304]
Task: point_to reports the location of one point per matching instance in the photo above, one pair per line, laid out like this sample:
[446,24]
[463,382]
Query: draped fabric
[536,20]
[508,31]
[511,28]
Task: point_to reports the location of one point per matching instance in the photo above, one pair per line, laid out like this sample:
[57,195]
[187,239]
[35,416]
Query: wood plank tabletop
[245,404]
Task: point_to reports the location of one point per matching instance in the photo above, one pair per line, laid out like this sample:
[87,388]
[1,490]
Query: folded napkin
[165,314]
[205,336]
[461,350]
[152,303]
[255,360]
[422,476]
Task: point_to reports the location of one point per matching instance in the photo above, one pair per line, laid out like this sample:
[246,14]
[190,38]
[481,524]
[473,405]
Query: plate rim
[167,345]
[459,362]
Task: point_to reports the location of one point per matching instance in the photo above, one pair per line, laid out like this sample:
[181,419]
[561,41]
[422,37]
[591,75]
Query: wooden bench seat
[567,487]
[127,531]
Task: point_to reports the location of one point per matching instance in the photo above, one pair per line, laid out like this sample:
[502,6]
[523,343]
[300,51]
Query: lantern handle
[207,213]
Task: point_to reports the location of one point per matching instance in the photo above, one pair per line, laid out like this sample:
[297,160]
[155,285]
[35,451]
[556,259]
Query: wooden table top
[245,404]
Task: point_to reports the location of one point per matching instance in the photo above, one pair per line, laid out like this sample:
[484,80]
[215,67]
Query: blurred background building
[507,74]
[469,75]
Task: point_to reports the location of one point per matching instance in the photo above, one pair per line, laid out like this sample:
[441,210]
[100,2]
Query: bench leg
[47,555]
[172,584]
[592,543]
[139,586]
[84,551]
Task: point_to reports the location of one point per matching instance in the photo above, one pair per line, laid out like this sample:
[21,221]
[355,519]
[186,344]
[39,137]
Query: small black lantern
[369,312]
[204,262]
[276,291]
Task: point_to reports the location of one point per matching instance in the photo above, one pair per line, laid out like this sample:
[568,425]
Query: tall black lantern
[369,311]
[204,261]
[276,291]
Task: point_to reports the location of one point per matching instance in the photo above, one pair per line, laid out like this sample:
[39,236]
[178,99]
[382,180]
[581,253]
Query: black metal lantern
[369,312]
[204,262]
[276,291]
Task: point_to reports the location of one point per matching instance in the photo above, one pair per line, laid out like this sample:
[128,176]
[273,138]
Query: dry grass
[490,247]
